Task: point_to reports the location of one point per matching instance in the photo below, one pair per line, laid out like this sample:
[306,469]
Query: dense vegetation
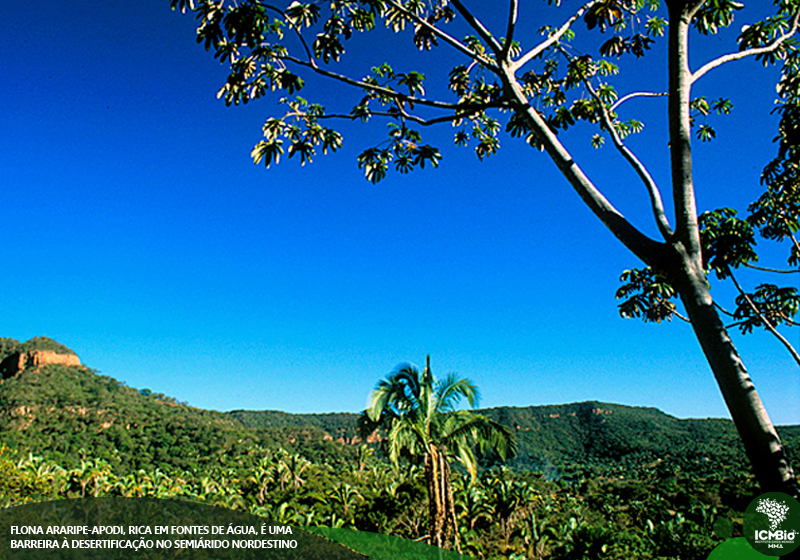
[590,480]
[564,441]
[10,346]
[653,511]
[70,414]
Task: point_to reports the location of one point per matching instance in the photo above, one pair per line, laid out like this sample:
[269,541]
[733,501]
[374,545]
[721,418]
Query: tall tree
[423,422]
[532,93]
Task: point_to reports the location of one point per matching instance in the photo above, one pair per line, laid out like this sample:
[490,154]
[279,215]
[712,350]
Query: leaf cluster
[647,295]
[728,243]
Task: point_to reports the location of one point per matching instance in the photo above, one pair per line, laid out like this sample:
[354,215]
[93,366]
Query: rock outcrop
[19,361]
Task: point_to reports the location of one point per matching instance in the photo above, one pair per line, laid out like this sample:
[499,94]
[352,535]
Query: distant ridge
[64,412]
[557,436]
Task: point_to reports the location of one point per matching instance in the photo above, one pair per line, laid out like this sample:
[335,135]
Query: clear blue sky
[137,231]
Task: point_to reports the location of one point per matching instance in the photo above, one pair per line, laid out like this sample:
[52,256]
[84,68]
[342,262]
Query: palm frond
[453,388]
[406,435]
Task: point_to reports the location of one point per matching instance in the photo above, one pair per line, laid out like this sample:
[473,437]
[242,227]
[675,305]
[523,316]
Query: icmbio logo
[772,524]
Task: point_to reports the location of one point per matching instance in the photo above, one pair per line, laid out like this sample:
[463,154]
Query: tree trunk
[450,508]
[760,439]
[680,257]
[435,502]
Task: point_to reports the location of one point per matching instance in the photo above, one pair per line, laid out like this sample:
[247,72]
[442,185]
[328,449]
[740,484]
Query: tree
[531,93]
[728,243]
[422,420]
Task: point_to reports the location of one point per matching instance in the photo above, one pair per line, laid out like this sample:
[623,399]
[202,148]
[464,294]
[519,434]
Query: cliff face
[19,361]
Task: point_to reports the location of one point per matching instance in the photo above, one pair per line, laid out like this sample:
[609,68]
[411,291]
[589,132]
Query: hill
[66,412]
[566,439]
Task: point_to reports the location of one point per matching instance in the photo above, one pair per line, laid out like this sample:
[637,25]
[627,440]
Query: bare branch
[725,311]
[513,12]
[464,112]
[648,250]
[475,24]
[552,39]
[294,27]
[765,269]
[370,87]
[649,183]
[467,111]
[749,52]
[681,317]
[763,319]
[789,233]
[449,39]
[625,98]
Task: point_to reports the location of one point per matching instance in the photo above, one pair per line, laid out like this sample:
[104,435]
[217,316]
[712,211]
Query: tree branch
[749,52]
[725,311]
[623,99]
[465,111]
[449,39]
[648,250]
[789,233]
[765,269]
[680,134]
[513,12]
[371,87]
[475,24]
[682,317]
[649,183]
[294,28]
[763,319]
[552,39]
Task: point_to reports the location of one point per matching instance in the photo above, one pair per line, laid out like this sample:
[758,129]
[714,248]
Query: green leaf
[706,133]
[302,15]
[722,106]
[328,47]
[777,305]
[426,153]
[647,295]
[374,162]
[413,81]
[656,26]
[727,241]
[268,151]
[714,14]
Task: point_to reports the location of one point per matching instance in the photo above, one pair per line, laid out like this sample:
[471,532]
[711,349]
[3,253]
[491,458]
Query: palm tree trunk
[450,508]
[432,475]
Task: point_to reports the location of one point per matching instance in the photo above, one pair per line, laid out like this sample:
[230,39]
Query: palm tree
[346,498]
[423,422]
[290,469]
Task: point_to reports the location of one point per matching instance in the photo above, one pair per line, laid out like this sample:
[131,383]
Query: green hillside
[10,346]
[67,413]
[567,439]
[625,481]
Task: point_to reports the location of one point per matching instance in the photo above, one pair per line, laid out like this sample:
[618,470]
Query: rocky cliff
[18,361]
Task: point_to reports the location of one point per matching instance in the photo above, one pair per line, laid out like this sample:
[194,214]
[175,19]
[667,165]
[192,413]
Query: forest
[577,487]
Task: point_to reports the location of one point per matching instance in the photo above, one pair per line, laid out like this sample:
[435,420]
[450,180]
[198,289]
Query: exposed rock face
[19,361]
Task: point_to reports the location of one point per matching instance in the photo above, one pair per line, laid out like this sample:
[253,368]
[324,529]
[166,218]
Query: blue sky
[138,232]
